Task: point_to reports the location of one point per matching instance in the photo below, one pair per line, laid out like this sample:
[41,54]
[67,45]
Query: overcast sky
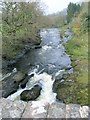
[57,5]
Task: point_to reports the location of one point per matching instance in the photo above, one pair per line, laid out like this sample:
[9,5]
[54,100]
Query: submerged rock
[32,94]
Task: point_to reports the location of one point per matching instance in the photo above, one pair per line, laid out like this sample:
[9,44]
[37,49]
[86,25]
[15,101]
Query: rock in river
[32,94]
[8,86]
[20,76]
[24,82]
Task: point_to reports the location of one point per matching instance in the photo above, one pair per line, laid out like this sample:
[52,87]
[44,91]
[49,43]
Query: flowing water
[50,61]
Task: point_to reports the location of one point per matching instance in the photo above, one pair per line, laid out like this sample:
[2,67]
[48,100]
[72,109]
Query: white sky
[57,5]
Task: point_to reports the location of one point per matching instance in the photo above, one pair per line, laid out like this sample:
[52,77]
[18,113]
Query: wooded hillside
[21,22]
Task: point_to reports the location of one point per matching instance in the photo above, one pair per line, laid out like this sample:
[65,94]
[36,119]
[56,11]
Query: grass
[78,47]
[76,91]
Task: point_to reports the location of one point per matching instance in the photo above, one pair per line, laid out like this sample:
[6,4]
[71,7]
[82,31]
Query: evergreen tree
[71,10]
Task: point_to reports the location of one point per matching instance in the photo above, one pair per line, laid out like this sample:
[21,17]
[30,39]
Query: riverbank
[20,27]
[75,87]
[8,63]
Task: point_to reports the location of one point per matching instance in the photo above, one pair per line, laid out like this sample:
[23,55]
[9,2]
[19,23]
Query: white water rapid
[45,81]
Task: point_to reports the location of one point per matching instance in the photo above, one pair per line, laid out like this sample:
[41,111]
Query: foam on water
[47,96]
[45,47]
[45,81]
[15,96]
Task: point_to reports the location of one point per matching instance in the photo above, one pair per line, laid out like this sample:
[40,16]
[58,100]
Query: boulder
[31,94]
[24,82]
[9,87]
[11,83]
[19,76]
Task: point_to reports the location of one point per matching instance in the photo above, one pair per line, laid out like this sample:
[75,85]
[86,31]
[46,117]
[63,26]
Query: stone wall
[36,109]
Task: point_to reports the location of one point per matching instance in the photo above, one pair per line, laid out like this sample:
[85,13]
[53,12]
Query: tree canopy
[72,9]
[21,22]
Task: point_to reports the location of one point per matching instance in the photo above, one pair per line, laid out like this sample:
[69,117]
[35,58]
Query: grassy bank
[75,88]
[78,49]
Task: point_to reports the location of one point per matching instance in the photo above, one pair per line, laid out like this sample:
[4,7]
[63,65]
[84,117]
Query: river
[49,61]
[51,56]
